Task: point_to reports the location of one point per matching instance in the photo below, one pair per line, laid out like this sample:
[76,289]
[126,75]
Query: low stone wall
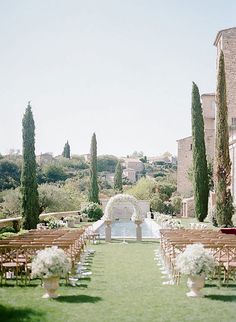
[58,215]
[11,222]
[15,222]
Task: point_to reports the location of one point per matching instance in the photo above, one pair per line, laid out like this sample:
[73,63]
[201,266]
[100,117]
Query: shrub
[93,210]
[51,222]
[157,204]
[212,217]
[6,235]
[7,230]
[176,203]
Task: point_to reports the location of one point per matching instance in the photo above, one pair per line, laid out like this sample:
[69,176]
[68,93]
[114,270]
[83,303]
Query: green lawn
[126,286]
[186,222]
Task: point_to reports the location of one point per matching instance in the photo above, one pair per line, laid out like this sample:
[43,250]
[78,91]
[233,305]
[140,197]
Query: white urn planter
[51,284]
[195,283]
[70,223]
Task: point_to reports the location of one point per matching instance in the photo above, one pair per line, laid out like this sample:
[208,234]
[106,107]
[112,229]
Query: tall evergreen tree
[200,173]
[224,202]
[118,178]
[93,188]
[29,191]
[66,151]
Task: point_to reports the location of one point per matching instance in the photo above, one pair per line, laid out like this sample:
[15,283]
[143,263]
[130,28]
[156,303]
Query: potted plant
[195,262]
[70,221]
[50,264]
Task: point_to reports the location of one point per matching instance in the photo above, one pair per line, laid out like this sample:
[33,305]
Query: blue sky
[123,69]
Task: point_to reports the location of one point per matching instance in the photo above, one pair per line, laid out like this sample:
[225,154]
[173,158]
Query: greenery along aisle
[125,286]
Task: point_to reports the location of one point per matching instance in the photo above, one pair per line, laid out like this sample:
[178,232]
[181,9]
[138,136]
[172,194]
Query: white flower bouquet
[195,260]
[50,262]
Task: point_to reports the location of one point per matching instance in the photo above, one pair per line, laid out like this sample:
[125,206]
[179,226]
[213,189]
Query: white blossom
[50,262]
[195,260]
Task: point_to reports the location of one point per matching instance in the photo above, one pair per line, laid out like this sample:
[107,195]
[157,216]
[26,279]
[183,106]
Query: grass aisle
[126,286]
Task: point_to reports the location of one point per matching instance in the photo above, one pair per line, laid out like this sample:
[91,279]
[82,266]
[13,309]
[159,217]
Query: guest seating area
[222,246]
[16,253]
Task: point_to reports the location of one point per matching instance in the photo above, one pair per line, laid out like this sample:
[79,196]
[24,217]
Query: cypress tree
[224,202]
[66,151]
[93,188]
[200,173]
[118,178]
[29,191]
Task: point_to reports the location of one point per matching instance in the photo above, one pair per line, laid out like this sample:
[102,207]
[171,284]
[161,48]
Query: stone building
[44,158]
[130,174]
[185,155]
[132,169]
[226,41]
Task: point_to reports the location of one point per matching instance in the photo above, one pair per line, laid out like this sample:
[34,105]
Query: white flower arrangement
[166,221]
[195,260]
[137,216]
[50,262]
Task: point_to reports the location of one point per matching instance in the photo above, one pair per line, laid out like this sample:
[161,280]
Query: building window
[191,147]
[233,121]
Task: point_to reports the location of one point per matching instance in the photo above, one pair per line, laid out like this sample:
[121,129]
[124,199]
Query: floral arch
[137,214]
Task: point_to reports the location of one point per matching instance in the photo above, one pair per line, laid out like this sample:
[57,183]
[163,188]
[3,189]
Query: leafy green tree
[106,163]
[176,203]
[93,189]
[165,188]
[54,173]
[53,197]
[143,189]
[29,187]
[118,186]
[9,175]
[66,151]
[200,173]
[224,202]
[11,205]
[144,159]
[157,204]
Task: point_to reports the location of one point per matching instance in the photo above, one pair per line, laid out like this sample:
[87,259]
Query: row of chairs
[222,246]
[16,253]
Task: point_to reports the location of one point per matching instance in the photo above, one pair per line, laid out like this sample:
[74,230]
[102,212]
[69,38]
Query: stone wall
[184,186]
[226,41]
[11,222]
